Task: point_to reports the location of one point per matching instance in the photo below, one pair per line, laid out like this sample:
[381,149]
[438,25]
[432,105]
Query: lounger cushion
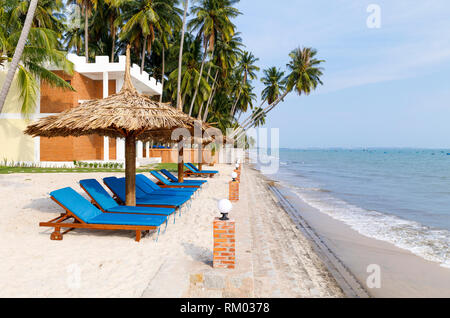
[195,170]
[98,193]
[101,197]
[129,219]
[148,186]
[76,203]
[118,187]
[141,210]
[88,213]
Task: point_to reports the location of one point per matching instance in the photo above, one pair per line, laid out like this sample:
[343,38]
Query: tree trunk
[162,73]
[199,81]
[143,54]
[86,33]
[235,103]
[205,115]
[18,53]
[245,122]
[199,116]
[180,57]
[264,112]
[130,170]
[113,50]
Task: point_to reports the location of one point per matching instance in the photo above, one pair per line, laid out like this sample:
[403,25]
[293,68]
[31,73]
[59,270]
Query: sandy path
[285,264]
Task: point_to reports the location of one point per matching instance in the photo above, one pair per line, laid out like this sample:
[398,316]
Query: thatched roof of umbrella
[125,113]
[128,114]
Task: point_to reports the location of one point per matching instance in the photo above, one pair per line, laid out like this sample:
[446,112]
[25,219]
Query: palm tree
[180,56]
[87,6]
[275,85]
[226,56]
[190,72]
[212,20]
[144,20]
[304,77]
[113,13]
[18,52]
[248,69]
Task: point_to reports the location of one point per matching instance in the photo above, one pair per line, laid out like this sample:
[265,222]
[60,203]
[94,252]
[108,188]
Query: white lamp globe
[238,161]
[225,206]
[237,166]
[234,175]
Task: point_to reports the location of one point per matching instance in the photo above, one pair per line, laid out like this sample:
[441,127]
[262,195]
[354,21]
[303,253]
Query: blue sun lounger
[117,186]
[149,187]
[193,171]
[87,216]
[101,198]
[167,184]
[194,167]
[172,178]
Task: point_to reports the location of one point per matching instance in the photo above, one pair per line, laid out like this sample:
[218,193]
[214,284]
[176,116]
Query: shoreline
[403,274]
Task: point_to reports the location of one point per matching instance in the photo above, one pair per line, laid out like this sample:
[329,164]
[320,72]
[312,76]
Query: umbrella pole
[181,161]
[200,162]
[130,170]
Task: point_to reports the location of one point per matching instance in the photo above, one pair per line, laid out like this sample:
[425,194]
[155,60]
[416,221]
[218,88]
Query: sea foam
[428,243]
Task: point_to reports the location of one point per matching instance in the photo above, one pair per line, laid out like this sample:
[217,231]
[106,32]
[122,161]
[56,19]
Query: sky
[383,87]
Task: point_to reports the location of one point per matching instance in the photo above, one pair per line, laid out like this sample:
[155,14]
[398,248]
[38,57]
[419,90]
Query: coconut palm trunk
[143,54]
[162,73]
[245,122]
[113,49]
[199,116]
[180,57]
[18,53]
[264,112]
[199,81]
[233,109]
[86,32]
[205,115]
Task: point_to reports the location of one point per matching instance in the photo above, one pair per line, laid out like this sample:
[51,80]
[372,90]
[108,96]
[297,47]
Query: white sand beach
[273,258]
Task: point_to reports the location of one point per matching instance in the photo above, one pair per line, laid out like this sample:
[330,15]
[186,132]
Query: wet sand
[403,274]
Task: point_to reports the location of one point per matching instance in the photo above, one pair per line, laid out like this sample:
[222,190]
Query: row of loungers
[192,170]
[155,204]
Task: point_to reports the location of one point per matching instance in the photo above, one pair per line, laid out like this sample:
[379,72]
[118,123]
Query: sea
[401,196]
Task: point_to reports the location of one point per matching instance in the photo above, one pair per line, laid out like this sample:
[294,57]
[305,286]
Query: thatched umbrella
[127,114]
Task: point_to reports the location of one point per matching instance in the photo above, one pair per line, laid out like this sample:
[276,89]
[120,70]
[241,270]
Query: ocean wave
[428,243]
[313,189]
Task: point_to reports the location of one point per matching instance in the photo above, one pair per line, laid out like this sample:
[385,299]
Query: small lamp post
[224,251]
[225,207]
[233,191]
[238,171]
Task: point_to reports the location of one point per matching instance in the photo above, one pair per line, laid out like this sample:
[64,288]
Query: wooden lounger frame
[163,185]
[57,223]
[189,173]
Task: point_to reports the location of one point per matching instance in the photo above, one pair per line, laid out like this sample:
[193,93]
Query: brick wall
[112,149]
[55,100]
[224,244]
